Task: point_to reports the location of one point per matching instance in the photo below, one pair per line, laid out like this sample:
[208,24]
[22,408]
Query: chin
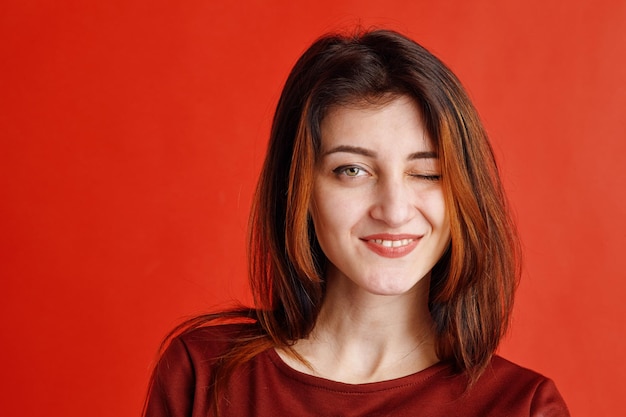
[399,285]
[392,288]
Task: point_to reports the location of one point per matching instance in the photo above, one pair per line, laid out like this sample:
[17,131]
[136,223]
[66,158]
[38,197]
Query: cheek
[333,212]
[322,224]
[317,213]
[434,209]
[324,218]
[443,219]
[439,219]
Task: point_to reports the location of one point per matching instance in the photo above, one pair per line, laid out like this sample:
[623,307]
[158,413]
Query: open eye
[350,171]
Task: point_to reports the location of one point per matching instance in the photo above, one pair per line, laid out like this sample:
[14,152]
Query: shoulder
[184,370]
[203,345]
[518,385]
[502,368]
[208,341]
[197,350]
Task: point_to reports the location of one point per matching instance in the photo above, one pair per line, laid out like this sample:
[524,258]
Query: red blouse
[268,387]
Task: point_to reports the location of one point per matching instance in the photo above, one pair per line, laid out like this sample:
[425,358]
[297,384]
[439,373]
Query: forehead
[393,122]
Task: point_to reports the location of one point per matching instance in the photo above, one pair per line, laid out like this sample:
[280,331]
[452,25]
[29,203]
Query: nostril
[395,210]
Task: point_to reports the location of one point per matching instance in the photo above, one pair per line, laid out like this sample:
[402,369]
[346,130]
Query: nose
[393,203]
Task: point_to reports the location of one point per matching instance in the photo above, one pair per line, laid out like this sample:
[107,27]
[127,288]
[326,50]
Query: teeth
[393,243]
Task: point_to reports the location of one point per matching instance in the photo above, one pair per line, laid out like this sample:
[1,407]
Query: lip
[391,251]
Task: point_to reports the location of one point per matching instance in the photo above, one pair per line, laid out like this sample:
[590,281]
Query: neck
[361,337]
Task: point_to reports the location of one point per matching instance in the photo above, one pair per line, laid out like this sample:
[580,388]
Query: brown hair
[472,285]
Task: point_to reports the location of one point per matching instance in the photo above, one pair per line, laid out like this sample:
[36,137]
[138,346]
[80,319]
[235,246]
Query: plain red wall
[132,133]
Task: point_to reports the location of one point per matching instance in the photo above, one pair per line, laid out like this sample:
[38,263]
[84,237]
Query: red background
[133,131]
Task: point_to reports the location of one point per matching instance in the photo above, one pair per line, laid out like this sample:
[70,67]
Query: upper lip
[390,236]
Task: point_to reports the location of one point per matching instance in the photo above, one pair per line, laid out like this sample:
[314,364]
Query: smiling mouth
[392,243]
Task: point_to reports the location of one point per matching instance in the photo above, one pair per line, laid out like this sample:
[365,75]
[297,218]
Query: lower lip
[391,252]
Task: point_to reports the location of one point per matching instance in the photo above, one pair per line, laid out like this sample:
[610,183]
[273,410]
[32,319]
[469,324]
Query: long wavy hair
[472,285]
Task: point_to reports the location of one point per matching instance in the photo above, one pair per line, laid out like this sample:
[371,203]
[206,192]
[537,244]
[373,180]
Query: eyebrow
[371,154]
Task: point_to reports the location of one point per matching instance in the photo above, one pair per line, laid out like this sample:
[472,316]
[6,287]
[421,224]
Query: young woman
[382,257]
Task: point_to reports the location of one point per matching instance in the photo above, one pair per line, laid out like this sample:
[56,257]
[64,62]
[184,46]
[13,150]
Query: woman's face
[377,204]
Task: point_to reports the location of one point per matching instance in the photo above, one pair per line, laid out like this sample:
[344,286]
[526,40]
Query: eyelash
[427,177]
[342,171]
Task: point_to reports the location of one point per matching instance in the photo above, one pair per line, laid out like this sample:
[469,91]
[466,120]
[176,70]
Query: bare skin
[379,215]
[367,342]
